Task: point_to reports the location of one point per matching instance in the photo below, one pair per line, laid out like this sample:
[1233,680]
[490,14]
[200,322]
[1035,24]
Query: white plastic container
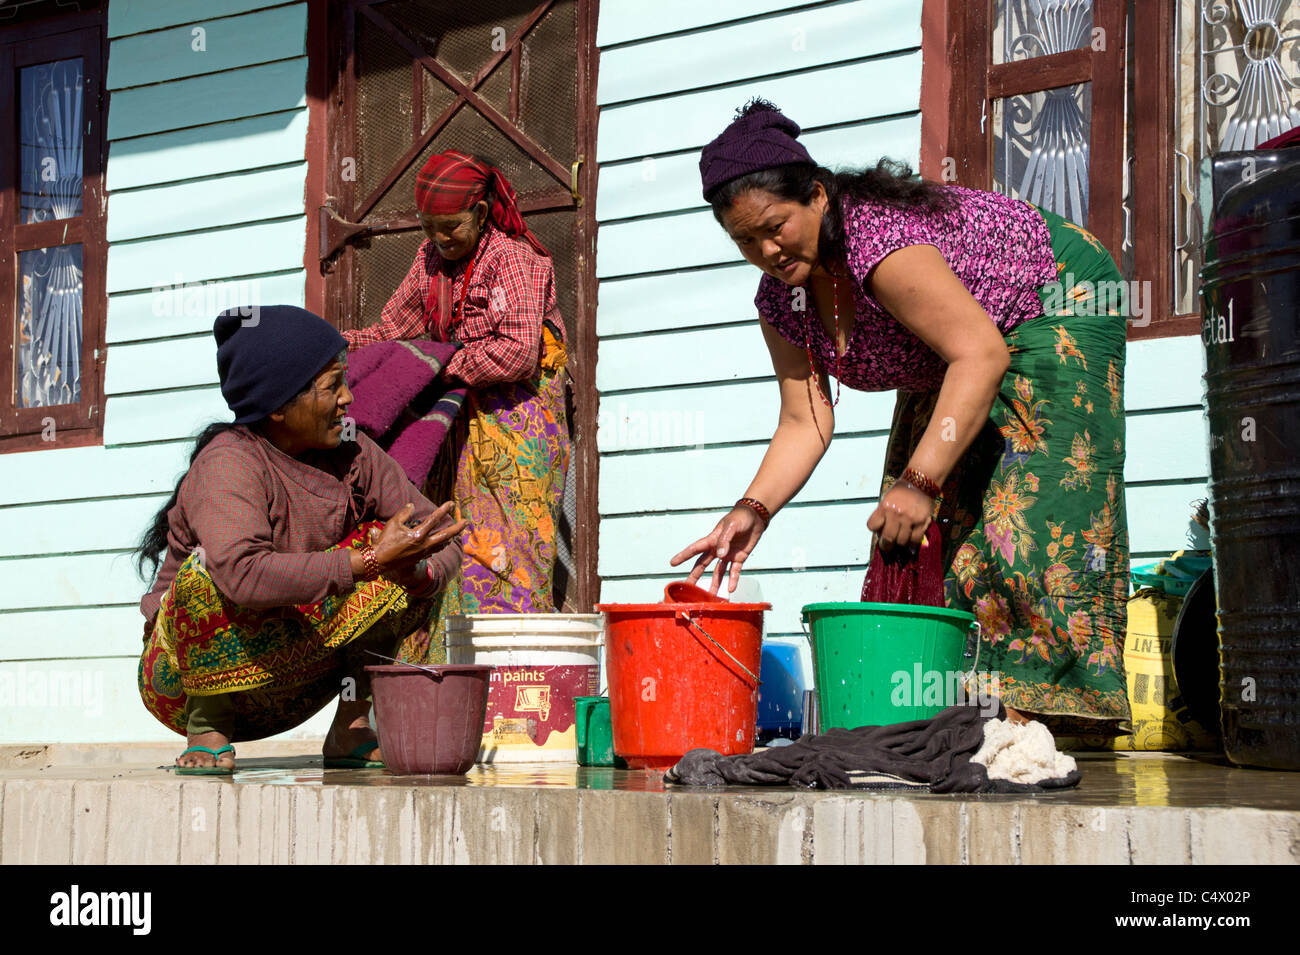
[541,662]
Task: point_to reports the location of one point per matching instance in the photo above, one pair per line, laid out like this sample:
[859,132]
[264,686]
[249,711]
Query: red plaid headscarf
[452,182]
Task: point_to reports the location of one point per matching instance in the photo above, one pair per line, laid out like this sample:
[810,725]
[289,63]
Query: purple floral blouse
[998,247]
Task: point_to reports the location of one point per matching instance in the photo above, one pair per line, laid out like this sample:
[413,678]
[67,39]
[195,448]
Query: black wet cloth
[933,755]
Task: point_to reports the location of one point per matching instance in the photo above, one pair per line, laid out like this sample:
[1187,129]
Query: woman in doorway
[1009,425]
[482,279]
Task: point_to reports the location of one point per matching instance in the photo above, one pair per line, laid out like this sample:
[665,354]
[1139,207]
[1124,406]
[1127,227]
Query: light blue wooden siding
[213,45]
[128,17]
[688,402]
[801,40]
[206,173]
[197,152]
[625,21]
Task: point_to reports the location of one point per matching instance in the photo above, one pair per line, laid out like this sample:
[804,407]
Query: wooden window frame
[1154,104]
[960,83]
[41,41]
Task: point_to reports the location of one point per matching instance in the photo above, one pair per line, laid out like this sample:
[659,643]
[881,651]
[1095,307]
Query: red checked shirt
[511,293]
[264,519]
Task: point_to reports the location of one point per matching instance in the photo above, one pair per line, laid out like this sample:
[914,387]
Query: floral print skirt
[1033,519]
[280,666]
[504,465]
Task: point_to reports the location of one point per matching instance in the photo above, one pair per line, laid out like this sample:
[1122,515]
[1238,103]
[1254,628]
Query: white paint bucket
[541,662]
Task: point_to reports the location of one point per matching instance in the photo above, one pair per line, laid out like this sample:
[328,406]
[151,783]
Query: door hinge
[573,180]
[335,233]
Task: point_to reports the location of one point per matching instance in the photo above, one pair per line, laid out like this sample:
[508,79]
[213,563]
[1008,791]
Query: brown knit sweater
[264,519]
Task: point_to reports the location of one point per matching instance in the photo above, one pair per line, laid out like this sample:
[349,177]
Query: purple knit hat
[760,137]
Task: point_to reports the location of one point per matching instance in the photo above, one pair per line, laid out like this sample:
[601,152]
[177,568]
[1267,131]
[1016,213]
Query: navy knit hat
[267,357]
[760,137]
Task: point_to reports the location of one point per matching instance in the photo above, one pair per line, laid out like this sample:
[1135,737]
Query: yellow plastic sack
[1161,721]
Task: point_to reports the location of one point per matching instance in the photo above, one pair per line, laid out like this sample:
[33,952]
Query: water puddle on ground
[1109,779]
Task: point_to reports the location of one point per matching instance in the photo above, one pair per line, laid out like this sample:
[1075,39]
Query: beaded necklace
[835,344]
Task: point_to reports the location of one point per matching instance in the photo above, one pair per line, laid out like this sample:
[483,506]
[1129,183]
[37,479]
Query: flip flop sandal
[207,770]
[355,760]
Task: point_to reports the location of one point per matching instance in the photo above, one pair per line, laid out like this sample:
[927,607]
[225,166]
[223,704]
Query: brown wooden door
[510,80]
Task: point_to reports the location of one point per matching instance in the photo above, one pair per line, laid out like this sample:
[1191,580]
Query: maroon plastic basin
[430,721]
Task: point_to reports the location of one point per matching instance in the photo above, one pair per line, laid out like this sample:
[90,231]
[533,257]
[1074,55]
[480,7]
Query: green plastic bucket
[878,664]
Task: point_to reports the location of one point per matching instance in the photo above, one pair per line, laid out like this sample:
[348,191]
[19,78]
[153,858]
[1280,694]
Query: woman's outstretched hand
[730,544]
[399,546]
[901,517]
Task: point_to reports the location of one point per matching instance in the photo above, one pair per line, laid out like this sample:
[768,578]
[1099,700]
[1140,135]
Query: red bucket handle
[686,615]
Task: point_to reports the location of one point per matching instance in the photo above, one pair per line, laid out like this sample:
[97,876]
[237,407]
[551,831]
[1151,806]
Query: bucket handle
[973,642]
[436,674]
[685,615]
[580,728]
[813,720]
[812,647]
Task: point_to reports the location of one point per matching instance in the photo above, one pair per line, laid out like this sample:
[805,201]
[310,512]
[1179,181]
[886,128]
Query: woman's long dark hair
[153,543]
[888,182]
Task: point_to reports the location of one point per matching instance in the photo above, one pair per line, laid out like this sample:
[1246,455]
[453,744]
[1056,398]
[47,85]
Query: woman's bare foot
[213,740]
[351,728]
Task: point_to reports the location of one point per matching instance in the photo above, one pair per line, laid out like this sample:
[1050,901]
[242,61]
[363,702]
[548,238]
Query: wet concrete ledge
[286,809]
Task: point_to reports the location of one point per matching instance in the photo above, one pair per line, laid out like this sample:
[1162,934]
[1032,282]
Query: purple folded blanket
[399,400]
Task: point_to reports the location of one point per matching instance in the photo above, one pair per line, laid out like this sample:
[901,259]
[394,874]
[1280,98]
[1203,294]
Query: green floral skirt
[1033,518]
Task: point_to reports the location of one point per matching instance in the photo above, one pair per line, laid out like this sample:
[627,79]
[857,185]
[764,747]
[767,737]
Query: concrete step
[1130,808]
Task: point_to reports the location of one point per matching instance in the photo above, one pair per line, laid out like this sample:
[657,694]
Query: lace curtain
[50,280]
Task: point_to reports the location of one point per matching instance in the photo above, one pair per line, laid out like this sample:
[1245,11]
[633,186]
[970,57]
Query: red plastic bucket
[429,720]
[682,676]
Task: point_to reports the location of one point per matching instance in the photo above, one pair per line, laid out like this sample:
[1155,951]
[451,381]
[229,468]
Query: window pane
[1027,28]
[1238,83]
[50,123]
[1250,54]
[47,362]
[1040,149]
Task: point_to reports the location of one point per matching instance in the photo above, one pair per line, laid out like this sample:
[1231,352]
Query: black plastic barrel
[1251,329]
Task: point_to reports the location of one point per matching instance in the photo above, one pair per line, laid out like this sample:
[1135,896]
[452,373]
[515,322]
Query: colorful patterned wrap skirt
[281,666]
[1035,536]
[504,466]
